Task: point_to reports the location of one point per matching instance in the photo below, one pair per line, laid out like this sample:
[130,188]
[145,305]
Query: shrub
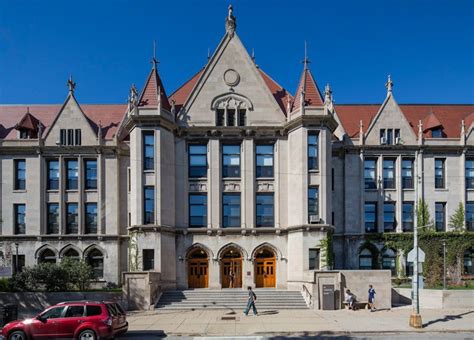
[4,284]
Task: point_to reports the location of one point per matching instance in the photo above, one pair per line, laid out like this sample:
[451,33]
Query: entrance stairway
[234,299]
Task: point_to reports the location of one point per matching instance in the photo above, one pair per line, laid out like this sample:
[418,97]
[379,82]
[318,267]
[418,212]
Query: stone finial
[420,132]
[99,130]
[302,99]
[154,60]
[327,95]
[463,128]
[230,22]
[389,85]
[71,84]
[288,104]
[306,60]
[40,130]
[173,106]
[361,132]
[208,54]
[133,96]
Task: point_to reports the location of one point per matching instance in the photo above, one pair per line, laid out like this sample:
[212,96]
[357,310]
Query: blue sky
[427,46]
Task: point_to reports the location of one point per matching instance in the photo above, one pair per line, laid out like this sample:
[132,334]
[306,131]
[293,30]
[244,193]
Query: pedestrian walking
[371,298]
[251,302]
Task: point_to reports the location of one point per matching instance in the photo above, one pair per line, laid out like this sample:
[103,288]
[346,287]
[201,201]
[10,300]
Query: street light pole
[16,257]
[415,317]
[444,264]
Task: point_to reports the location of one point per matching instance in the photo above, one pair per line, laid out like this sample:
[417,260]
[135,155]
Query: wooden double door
[265,271]
[231,272]
[198,276]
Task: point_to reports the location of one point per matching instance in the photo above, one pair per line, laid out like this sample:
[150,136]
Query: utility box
[329,302]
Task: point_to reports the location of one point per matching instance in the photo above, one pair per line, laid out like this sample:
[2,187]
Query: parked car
[84,320]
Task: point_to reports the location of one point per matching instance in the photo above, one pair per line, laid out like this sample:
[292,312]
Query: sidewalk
[298,322]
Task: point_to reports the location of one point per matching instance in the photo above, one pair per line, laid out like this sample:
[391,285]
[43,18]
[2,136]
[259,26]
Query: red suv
[84,320]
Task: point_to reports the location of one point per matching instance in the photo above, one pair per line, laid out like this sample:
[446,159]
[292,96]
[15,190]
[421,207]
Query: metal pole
[16,258]
[444,264]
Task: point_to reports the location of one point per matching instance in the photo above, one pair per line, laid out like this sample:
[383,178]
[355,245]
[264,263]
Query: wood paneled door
[198,269]
[231,269]
[265,269]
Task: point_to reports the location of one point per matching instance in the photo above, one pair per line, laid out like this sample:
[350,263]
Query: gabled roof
[109,116]
[150,96]
[279,93]
[431,122]
[449,116]
[308,86]
[28,122]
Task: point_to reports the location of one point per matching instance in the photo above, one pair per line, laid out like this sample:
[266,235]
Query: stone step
[230,299]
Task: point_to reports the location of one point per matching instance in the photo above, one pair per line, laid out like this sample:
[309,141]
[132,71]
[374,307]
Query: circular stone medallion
[231,77]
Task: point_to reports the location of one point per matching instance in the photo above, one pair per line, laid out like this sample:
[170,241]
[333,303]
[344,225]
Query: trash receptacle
[10,313]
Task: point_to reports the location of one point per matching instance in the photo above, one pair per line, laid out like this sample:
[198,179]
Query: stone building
[229,181]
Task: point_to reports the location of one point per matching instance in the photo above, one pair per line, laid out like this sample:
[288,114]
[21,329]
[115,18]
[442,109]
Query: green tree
[78,272]
[423,216]
[456,221]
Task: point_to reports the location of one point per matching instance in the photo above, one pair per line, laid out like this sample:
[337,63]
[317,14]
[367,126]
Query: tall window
[265,210]
[389,220]
[313,204]
[408,216]
[197,161]
[440,216]
[53,218]
[470,173]
[148,259]
[230,161]
[72,225]
[47,256]
[242,117]
[91,173]
[231,117]
[366,259]
[439,173]
[149,205]
[389,173]
[313,259]
[197,210]
[407,173]
[148,150]
[95,259]
[264,155]
[19,220]
[468,262]
[91,218]
[53,174]
[370,173]
[389,259]
[370,216]
[470,216]
[313,163]
[231,210]
[72,174]
[70,137]
[20,174]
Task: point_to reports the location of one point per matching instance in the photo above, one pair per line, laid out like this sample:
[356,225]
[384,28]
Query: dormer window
[70,137]
[390,137]
[231,109]
[437,132]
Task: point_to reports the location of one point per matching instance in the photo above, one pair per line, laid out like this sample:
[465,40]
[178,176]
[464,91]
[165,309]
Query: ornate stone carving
[198,186]
[232,186]
[265,186]
[230,22]
[231,77]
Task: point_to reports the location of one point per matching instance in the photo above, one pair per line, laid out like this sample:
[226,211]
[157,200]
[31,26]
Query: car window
[112,310]
[74,311]
[93,310]
[119,308]
[53,313]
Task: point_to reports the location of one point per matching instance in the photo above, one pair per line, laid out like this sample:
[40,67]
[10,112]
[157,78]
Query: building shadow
[447,318]
[148,334]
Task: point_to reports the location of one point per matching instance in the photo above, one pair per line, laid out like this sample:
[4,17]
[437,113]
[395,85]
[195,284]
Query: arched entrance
[231,269]
[265,268]
[198,269]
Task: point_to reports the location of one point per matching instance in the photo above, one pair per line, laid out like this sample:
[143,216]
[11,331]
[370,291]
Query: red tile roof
[279,93]
[109,116]
[430,121]
[28,122]
[149,95]
[449,116]
[312,96]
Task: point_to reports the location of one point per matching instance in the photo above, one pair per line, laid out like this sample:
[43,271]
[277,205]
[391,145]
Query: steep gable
[71,116]
[309,89]
[153,92]
[231,72]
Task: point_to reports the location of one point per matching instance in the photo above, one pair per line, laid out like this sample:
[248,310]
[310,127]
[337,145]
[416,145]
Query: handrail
[307,296]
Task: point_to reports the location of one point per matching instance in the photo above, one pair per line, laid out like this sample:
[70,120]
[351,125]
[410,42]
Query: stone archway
[231,268]
[265,268]
[198,268]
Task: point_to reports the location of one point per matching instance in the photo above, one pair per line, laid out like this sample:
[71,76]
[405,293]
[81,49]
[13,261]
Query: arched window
[468,260]
[231,109]
[366,259]
[72,253]
[47,256]
[389,259]
[95,259]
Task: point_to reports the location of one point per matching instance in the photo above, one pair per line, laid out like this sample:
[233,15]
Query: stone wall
[436,298]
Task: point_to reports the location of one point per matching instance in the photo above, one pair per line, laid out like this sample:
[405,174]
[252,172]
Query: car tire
[17,335]
[87,334]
